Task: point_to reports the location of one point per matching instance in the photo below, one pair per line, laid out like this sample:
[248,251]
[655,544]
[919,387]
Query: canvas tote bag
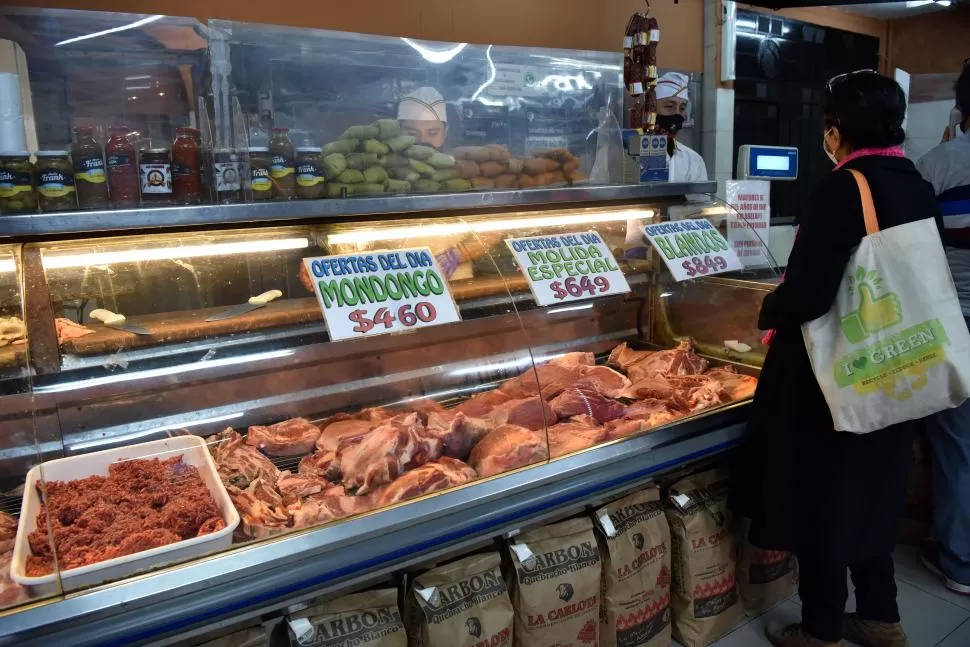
[894,346]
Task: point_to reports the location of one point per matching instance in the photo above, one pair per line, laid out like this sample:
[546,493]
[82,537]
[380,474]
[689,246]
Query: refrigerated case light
[113,30]
[437,56]
[61,261]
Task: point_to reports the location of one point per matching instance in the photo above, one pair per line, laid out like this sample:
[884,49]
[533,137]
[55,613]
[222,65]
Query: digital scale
[767,163]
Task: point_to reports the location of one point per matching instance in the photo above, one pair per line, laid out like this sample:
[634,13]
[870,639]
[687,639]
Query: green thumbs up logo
[874,313]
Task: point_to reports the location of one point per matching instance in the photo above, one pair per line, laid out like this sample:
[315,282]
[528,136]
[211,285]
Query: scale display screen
[767,163]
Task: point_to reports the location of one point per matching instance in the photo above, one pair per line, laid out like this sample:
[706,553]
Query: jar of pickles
[309,173]
[54,179]
[17,194]
[260,173]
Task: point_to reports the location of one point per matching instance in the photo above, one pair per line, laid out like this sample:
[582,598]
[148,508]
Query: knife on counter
[118,322]
[254,303]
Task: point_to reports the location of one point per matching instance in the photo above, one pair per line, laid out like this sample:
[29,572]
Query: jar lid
[51,153]
[280,129]
[156,151]
[188,130]
[223,151]
[118,127]
[258,149]
[84,129]
[309,149]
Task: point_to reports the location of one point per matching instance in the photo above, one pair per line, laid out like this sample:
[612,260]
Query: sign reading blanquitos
[381,292]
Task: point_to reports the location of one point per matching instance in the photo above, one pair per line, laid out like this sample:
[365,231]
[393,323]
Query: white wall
[925,124]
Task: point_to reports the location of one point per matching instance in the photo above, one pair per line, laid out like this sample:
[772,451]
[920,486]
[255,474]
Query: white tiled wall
[924,127]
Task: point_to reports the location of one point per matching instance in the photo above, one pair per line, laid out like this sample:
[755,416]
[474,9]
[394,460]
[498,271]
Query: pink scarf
[893,151]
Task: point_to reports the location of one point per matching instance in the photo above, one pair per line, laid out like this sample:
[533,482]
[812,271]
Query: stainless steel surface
[132,328]
[249,581]
[80,222]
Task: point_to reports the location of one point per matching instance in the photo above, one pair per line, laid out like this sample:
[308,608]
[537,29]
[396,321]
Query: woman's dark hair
[867,108]
[963,90]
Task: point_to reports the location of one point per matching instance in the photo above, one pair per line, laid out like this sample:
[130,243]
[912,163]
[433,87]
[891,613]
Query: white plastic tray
[193,451]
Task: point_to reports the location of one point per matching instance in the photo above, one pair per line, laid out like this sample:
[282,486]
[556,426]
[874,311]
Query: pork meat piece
[575,434]
[431,477]
[481,404]
[738,386]
[649,388]
[457,432]
[654,412]
[393,448]
[678,361]
[11,593]
[372,414]
[623,357]
[700,392]
[603,380]
[323,508]
[531,413]
[292,437]
[578,402]
[506,448]
[424,408]
[317,464]
[340,430]
[294,487]
[68,330]
[546,380]
[239,464]
[574,360]
[259,519]
[8,531]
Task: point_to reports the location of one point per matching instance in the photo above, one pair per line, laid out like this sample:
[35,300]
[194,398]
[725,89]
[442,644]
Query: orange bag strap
[868,208]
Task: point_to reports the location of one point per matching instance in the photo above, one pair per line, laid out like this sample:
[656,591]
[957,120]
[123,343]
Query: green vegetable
[420,152]
[395,161]
[398,186]
[335,190]
[360,161]
[333,165]
[441,161]
[388,128]
[375,175]
[426,186]
[441,176]
[343,146]
[361,132]
[400,143]
[457,185]
[422,168]
[405,174]
[351,176]
[376,147]
[368,189]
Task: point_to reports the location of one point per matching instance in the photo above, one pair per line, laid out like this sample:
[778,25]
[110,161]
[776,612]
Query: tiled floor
[932,615]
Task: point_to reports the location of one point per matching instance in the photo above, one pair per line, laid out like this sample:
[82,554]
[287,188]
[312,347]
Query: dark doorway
[782,66]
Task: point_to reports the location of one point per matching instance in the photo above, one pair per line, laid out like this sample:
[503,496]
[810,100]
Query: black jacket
[806,486]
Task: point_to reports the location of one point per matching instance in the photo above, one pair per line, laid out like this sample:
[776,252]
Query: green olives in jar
[17,194]
[54,179]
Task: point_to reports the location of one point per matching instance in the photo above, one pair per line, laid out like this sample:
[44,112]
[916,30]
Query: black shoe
[931,560]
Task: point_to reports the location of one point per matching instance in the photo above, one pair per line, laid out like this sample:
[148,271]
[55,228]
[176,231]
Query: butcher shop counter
[332,461]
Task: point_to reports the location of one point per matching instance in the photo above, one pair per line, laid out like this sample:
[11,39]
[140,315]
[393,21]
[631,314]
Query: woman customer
[835,499]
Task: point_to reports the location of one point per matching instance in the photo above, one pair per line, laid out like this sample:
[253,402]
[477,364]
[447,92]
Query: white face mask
[831,156]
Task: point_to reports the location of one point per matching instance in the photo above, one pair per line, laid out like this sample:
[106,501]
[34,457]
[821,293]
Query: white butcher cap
[424,104]
[673,85]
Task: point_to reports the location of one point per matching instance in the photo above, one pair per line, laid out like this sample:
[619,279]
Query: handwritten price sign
[692,248]
[567,267]
[375,293]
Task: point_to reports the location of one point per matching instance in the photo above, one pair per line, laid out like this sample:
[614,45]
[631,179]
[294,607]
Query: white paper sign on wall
[749,229]
[692,248]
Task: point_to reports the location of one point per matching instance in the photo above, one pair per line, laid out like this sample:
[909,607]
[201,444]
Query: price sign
[373,293]
[568,267]
[692,248]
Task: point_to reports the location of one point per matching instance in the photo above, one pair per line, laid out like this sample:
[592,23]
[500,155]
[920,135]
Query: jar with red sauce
[123,182]
[187,166]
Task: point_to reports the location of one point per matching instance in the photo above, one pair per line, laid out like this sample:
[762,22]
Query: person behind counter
[834,499]
[424,115]
[947,168]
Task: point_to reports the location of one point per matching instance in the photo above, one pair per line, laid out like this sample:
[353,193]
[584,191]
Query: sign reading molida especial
[567,267]
[692,248]
[380,292]
[895,364]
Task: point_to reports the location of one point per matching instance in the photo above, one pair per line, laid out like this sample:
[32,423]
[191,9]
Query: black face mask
[670,124]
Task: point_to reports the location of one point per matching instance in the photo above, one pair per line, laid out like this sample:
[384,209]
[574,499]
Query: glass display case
[180,384]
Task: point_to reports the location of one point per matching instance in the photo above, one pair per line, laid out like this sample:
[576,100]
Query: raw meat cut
[574,360]
[317,464]
[372,414]
[580,432]
[322,508]
[8,531]
[481,404]
[423,407]
[738,386]
[700,392]
[11,593]
[239,463]
[653,412]
[603,380]
[291,437]
[68,330]
[458,432]
[294,487]
[578,402]
[547,380]
[431,477]
[265,492]
[259,519]
[649,388]
[507,448]
[623,357]
[531,413]
[384,454]
[340,430]
[676,361]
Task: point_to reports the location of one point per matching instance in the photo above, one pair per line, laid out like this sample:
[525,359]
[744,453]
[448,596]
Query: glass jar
[17,194]
[122,167]
[186,166]
[309,174]
[227,172]
[283,167]
[90,181]
[260,173]
[155,169]
[54,179]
